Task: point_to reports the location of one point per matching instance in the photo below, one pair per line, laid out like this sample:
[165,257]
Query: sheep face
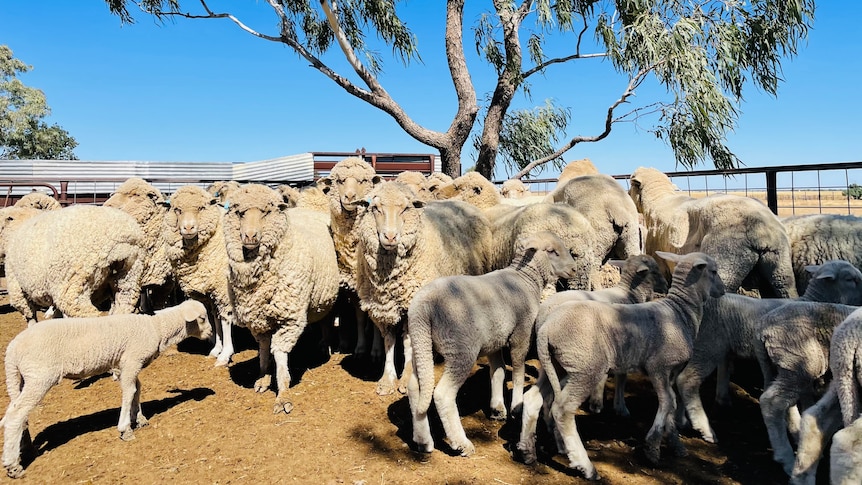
[548,245]
[696,269]
[255,223]
[10,219]
[197,320]
[434,183]
[352,179]
[187,209]
[136,197]
[473,188]
[391,207]
[645,273]
[841,278]
[514,189]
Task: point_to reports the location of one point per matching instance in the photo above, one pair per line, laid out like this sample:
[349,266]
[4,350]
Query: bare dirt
[207,425]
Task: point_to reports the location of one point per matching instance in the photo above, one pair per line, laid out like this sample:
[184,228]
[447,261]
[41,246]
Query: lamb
[514,189]
[640,281]
[145,203]
[728,330]
[792,348]
[462,318]
[749,239]
[74,348]
[434,182]
[222,189]
[654,336]
[816,238]
[282,276]
[38,200]
[74,256]
[613,215]
[195,247]
[347,185]
[405,243]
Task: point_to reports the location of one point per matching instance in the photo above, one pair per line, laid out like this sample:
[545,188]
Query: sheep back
[817,238]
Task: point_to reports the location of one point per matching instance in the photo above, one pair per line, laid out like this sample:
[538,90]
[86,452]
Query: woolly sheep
[792,348]
[38,200]
[816,238]
[10,219]
[728,330]
[70,257]
[475,189]
[222,189]
[817,426]
[195,247]
[845,465]
[749,240]
[613,215]
[347,184]
[416,181]
[283,275]
[462,318]
[434,182]
[145,203]
[655,337]
[576,168]
[640,281]
[405,243]
[514,189]
[75,348]
[307,197]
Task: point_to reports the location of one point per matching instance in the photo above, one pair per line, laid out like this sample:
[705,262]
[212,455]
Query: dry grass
[800,202]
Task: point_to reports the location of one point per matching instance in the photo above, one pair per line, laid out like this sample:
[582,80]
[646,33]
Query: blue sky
[203,90]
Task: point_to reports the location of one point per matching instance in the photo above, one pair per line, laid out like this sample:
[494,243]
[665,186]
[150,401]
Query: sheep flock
[412,272]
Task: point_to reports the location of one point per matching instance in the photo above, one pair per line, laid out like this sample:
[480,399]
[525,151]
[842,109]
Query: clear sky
[203,90]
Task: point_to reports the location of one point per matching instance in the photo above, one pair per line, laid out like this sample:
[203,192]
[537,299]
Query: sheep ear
[164,203]
[672,257]
[618,263]
[325,184]
[190,313]
[821,271]
[364,202]
[418,204]
[642,268]
[477,190]
[376,179]
[447,190]
[213,201]
[281,206]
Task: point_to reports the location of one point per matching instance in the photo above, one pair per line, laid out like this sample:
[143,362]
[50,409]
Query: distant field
[806,202]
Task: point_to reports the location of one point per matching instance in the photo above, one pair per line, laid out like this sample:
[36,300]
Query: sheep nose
[389,239]
[189,229]
[250,238]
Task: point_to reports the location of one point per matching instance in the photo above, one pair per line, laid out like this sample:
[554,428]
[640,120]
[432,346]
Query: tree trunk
[450,160]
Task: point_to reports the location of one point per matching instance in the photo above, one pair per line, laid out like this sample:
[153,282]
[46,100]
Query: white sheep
[749,242]
[308,197]
[576,168]
[41,356]
[221,189]
[10,219]
[475,189]
[463,317]
[728,329]
[434,182]
[514,189]
[404,243]
[145,203]
[73,257]
[613,215]
[347,184]
[587,339]
[845,464]
[816,238]
[640,281]
[792,348]
[38,200]
[417,181]
[283,275]
[195,247]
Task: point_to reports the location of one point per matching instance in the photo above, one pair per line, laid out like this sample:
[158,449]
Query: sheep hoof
[141,422]
[653,454]
[465,449]
[385,388]
[127,435]
[215,352]
[282,407]
[15,471]
[222,362]
[497,415]
[724,401]
[596,406]
[263,383]
[525,453]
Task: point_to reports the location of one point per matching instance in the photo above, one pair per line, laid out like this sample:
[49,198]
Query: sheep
[640,281]
[728,330]
[69,257]
[38,200]
[433,183]
[195,247]
[845,464]
[462,318]
[41,356]
[816,238]
[282,276]
[10,219]
[792,347]
[474,188]
[612,213]
[587,339]
[222,189]
[416,181]
[750,241]
[514,189]
[309,197]
[145,203]
[576,168]
[347,185]
[405,243]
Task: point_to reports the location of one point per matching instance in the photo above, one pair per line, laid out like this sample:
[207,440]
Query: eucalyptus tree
[24,134]
[704,53]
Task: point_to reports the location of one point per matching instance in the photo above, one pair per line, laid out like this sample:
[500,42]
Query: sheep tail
[544,350]
[14,382]
[845,373]
[419,327]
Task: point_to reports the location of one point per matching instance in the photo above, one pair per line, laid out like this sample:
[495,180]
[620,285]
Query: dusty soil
[207,425]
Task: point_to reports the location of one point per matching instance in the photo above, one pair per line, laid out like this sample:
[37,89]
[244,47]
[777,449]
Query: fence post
[772,191]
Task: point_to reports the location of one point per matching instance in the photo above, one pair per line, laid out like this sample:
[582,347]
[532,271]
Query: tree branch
[609,121]
[558,60]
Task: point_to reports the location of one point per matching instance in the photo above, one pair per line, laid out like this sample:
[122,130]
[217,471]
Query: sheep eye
[177,210]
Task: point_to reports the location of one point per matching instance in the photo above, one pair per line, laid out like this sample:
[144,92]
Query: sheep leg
[819,423]
[227,349]
[563,410]
[775,401]
[131,386]
[456,370]
[378,345]
[361,330]
[264,342]
[128,289]
[386,384]
[497,371]
[137,413]
[722,383]
[597,397]
[408,362]
[620,394]
[518,349]
[536,398]
[688,383]
[846,456]
[664,423]
[284,340]
[19,301]
[15,424]
[421,425]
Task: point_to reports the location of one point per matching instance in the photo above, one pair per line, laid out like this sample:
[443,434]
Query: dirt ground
[207,425]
